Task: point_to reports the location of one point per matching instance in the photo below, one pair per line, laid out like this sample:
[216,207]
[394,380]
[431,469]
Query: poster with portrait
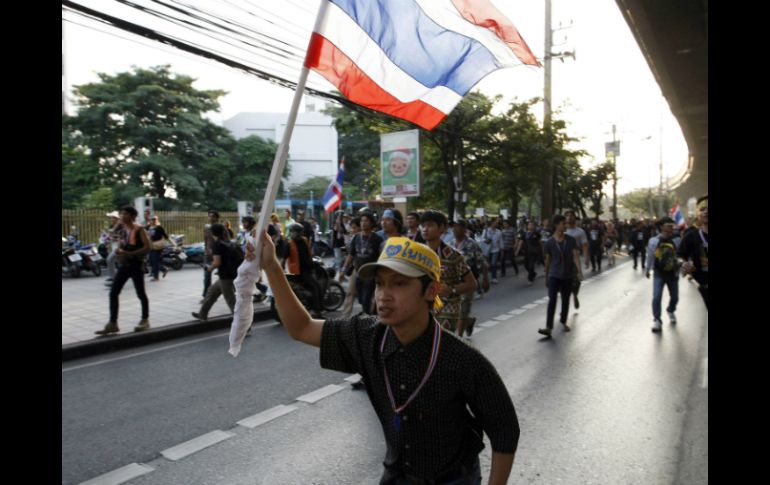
[400,163]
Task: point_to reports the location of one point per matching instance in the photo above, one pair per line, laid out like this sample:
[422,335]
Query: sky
[607,83]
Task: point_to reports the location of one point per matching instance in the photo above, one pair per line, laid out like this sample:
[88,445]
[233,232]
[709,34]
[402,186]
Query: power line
[186,46]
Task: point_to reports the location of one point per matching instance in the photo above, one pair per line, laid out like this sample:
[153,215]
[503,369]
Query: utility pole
[614,177]
[549,180]
[550,172]
[660,163]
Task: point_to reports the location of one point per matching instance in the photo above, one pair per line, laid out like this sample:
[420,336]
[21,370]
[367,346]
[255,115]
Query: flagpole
[281,155]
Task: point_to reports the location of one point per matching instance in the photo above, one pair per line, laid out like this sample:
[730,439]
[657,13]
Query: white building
[313,147]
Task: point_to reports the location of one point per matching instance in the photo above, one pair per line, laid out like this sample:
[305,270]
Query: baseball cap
[408,258]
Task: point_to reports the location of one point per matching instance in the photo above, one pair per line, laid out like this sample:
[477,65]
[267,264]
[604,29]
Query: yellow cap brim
[367,271]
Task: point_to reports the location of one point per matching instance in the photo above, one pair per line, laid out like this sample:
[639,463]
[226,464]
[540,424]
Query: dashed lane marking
[318,394]
[121,475]
[266,416]
[195,445]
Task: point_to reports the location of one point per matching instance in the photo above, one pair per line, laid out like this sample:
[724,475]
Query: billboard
[400,163]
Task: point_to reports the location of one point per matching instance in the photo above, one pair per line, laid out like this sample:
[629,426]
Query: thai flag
[333,196]
[412,59]
[676,214]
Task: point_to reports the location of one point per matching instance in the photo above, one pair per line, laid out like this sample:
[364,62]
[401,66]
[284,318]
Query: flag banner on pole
[333,196]
[413,59]
[676,214]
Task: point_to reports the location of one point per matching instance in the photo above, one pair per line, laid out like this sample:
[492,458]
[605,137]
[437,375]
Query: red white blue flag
[676,214]
[413,59]
[333,196]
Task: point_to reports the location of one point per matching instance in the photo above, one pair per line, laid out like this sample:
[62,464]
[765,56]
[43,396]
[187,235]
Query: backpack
[236,255]
[665,257]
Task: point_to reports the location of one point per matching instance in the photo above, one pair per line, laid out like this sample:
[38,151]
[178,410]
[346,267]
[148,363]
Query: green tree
[317,185]
[253,162]
[100,199]
[592,184]
[645,201]
[517,157]
[146,132]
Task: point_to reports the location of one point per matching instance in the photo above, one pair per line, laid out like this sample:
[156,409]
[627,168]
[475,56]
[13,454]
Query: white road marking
[501,318]
[267,416]
[517,311]
[121,475]
[318,394]
[488,324]
[354,378]
[195,445]
[529,306]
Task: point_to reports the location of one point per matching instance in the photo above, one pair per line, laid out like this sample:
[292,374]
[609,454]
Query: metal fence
[89,224]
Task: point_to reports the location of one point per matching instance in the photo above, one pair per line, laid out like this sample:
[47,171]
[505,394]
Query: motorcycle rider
[300,263]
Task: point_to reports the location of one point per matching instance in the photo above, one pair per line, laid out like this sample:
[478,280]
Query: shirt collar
[421,344]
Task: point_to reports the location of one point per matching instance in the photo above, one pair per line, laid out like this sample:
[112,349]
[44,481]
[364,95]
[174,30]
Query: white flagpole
[281,155]
[249,271]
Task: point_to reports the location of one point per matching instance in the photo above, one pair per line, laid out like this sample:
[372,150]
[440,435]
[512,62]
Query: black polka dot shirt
[440,430]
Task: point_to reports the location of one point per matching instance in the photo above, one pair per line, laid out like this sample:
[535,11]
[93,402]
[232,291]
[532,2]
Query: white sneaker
[656,327]
[494,280]
[672,318]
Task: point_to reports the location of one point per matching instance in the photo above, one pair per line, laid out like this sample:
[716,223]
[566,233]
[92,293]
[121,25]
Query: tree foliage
[497,160]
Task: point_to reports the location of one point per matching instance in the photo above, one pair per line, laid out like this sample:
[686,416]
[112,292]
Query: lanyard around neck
[431,365]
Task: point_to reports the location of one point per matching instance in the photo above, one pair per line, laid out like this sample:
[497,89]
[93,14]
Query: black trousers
[135,273]
[564,288]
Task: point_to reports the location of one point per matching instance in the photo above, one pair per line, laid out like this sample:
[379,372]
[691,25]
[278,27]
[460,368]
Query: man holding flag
[415,60]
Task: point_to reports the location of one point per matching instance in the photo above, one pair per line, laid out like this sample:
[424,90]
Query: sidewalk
[85,304]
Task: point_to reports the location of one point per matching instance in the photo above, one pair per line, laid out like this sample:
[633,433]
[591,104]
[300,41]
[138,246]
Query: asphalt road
[609,402]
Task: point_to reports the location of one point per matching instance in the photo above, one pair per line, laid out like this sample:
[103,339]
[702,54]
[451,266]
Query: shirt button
[403,387]
[405,417]
[406,446]
[406,463]
[400,350]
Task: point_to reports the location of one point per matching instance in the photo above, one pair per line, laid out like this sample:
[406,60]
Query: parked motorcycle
[173,256]
[91,259]
[333,294]
[71,261]
[321,246]
[195,253]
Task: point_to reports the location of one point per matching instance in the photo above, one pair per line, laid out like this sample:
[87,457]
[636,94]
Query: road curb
[111,343]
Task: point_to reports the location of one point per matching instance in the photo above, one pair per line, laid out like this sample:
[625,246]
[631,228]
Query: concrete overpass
[673,36]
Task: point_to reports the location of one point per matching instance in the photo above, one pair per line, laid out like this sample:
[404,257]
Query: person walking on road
[662,258]
[157,235]
[582,240]
[695,250]
[131,254]
[422,382]
[562,267]
[208,244]
[223,258]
